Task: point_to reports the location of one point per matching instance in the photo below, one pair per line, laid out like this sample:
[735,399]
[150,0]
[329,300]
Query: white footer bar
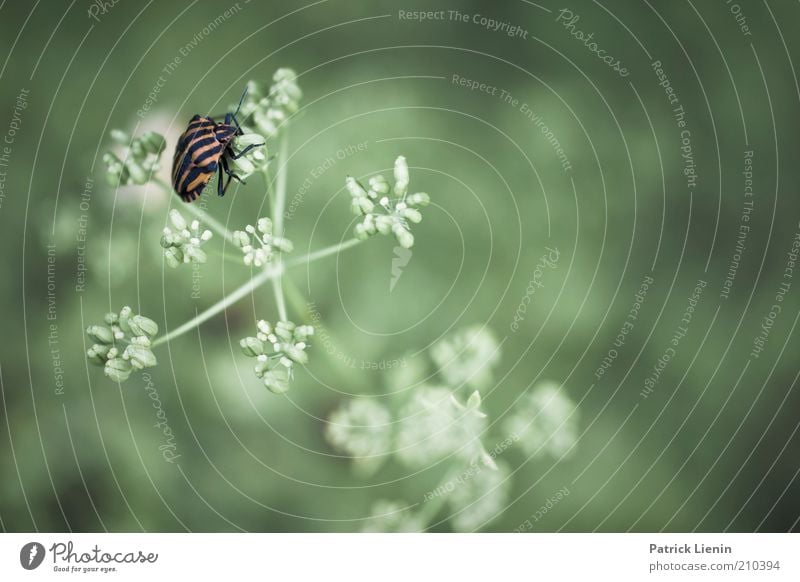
[379,557]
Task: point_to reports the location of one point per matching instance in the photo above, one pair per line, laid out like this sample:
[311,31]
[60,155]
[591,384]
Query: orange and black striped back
[197,155]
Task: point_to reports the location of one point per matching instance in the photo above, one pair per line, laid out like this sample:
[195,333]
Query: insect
[202,150]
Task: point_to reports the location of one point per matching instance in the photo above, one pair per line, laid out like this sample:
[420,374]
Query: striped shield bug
[202,150]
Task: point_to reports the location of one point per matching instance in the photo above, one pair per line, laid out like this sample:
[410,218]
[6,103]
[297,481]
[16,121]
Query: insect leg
[228,171]
[245,150]
[220,179]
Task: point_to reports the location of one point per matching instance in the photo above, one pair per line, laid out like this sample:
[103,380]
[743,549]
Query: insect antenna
[233,115]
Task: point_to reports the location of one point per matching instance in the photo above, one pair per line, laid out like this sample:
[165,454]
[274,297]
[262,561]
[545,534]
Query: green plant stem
[300,304]
[234,259]
[297,300]
[277,216]
[271,272]
[322,253]
[240,292]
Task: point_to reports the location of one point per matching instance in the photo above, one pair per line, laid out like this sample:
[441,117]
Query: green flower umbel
[386,215]
[122,345]
[258,244]
[182,241]
[277,349]
[139,162]
[267,111]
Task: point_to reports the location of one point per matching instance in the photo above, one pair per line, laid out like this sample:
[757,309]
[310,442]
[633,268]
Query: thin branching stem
[277,215]
[269,273]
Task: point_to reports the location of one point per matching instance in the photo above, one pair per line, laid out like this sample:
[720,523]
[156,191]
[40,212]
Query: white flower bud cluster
[258,244]
[467,357]
[382,214]
[361,428]
[140,160]
[434,425]
[268,111]
[546,420]
[122,345]
[445,424]
[182,241]
[276,350]
[254,160]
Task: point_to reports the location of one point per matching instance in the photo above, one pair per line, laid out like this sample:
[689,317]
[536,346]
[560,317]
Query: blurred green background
[712,447]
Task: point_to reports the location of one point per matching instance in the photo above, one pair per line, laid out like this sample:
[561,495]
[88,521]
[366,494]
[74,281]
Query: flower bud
[384,224]
[361,232]
[303,332]
[355,189]
[264,225]
[241,238]
[275,383]
[295,354]
[97,354]
[418,199]
[365,205]
[140,357]
[138,175]
[120,136]
[251,346]
[404,238]
[141,325]
[153,143]
[400,176]
[177,220]
[173,256]
[283,244]
[379,184]
[118,369]
[100,334]
[195,254]
[412,214]
[125,314]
